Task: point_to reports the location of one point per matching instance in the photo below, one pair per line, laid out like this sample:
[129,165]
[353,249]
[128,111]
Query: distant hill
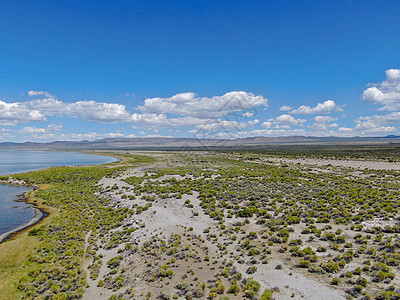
[165,143]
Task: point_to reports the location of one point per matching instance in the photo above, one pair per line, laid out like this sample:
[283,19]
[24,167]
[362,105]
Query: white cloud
[12,113]
[371,126]
[285,108]
[321,123]
[253,122]
[48,106]
[87,110]
[324,119]
[183,122]
[319,126]
[283,122]
[247,114]
[391,118]
[34,130]
[378,123]
[288,120]
[41,93]
[156,136]
[386,93]
[187,104]
[99,112]
[191,110]
[5,135]
[321,108]
[267,124]
[39,109]
[74,136]
[346,129]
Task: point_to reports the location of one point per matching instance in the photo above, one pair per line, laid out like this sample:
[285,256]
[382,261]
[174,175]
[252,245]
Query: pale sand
[170,215]
[357,164]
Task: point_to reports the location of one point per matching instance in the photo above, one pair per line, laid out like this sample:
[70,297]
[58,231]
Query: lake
[14,212]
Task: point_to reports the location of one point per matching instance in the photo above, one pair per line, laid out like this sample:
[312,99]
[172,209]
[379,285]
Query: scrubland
[209,225]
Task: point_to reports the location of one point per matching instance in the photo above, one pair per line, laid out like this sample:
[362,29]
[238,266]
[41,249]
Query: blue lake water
[14,213]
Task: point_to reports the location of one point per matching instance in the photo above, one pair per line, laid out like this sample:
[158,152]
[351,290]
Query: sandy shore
[39,215]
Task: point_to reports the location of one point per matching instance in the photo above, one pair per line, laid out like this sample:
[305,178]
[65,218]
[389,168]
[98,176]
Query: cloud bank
[189,109]
[231,115]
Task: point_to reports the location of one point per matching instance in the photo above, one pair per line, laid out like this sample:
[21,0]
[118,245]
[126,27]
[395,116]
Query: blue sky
[73,70]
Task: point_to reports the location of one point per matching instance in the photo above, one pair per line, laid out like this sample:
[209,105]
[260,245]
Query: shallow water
[14,213]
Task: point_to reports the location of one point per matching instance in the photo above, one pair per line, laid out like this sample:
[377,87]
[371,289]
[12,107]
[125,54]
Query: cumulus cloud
[87,110]
[373,127]
[378,123]
[323,126]
[247,114]
[190,110]
[324,119]
[289,120]
[267,124]
[34,130]
[322,123]
[12,113]
[321,108]
[386,93]
[283,122]
[187,104]
[39,109]
[253,122]
[183,122]
[99,112]
[346,130]
[391,118]
[285,108]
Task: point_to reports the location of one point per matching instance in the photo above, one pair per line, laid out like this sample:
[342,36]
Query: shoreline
[40,214]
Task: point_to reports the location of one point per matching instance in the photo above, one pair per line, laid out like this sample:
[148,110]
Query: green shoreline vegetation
[50,256]
[14,251]
[340,225]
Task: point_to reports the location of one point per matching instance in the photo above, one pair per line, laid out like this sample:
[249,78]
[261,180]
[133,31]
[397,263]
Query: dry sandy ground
[357,164]
[170,216]
[291,282]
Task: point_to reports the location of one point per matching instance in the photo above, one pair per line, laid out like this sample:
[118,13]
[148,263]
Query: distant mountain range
[165,143]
